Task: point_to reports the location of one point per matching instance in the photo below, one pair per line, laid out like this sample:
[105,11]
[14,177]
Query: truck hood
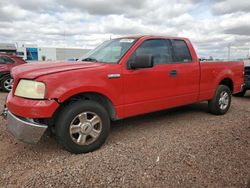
[36,69]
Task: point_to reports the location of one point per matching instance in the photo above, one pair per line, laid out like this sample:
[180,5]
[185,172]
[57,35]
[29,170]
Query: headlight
[30,89]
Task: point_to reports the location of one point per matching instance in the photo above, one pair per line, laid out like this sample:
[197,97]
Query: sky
[213,26]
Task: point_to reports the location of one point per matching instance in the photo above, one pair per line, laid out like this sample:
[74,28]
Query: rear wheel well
[228,82]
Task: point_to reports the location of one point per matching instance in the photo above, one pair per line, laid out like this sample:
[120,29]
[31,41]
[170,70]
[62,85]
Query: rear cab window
[181,51]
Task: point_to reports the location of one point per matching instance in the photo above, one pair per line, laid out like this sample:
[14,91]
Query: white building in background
[8,47]
[47,54]
[50,54]
[35,53]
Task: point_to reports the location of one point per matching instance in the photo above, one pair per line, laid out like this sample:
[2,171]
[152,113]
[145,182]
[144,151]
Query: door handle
[173,73]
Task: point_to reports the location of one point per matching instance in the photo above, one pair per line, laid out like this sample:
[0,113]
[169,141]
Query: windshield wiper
[90,59]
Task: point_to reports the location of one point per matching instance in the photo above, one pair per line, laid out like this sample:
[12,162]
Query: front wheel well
[101,99]
[227,82]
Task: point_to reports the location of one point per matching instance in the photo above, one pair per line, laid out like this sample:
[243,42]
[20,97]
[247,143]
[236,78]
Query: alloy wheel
[85,128]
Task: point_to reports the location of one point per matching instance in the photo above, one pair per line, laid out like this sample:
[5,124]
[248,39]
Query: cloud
[211,25]
[230,6]
[240,30]
[100,7]
[38,6]
[11,12]
[237,24]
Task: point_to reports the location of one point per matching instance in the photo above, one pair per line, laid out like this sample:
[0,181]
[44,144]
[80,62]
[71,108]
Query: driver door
[147,89]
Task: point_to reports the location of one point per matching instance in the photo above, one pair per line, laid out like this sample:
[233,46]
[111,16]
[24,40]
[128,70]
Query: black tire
[240,94]
[214,105]
[4,87]
[65,119]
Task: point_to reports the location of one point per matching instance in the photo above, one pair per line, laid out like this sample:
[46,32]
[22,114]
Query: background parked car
[7,62]
[72,59]
[246,79]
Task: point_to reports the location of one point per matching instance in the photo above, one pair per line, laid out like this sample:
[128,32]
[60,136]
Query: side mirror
[142,61]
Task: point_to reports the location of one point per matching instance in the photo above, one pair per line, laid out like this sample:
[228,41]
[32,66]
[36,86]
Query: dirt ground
[182,147]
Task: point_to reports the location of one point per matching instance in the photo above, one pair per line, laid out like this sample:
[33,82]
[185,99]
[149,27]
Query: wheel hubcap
[224,100]
[8,84]
[85,128]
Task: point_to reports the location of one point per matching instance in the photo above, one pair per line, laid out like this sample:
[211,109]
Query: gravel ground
[183,147]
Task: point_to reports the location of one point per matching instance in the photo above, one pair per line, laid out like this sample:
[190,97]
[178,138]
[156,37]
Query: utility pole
[229,51]
[248,55]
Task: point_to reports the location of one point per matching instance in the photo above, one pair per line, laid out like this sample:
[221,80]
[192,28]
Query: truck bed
[213,71]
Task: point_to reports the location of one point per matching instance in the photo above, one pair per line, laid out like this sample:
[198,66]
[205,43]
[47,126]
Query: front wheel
[221,102]
[82,126]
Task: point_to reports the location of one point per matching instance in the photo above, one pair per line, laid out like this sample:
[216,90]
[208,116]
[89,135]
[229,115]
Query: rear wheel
[82,126]
[7,83]
[221,102]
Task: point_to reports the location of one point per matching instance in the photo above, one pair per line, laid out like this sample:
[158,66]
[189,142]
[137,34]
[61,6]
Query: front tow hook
[4,112]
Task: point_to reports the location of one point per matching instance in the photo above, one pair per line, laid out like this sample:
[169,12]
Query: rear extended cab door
[187,68]
[170,82]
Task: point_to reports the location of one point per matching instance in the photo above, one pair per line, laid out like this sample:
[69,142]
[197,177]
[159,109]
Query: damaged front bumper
[24,129]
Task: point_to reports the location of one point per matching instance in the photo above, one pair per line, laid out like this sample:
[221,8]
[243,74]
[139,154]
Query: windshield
[110,51]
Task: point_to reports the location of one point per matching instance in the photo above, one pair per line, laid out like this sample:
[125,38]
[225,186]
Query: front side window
[110,51]
[159,49]
[181,51]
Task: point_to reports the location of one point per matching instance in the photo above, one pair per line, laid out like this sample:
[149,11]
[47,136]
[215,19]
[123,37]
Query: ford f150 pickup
[121,78]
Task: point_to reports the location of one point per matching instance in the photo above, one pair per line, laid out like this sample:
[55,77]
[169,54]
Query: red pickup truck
[121,78]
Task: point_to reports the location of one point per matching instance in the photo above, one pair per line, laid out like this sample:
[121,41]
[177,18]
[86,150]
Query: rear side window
[181,51]
[5,60]
[160,49]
